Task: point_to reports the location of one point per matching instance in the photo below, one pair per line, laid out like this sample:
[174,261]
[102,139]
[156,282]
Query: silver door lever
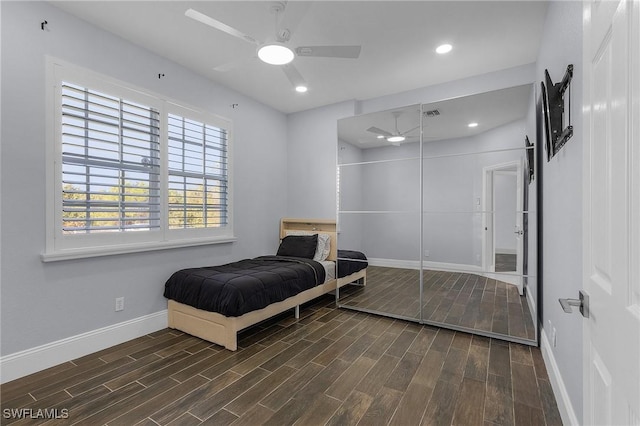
[582,303]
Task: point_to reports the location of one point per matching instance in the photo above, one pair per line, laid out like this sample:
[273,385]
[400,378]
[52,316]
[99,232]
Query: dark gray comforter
[244,286]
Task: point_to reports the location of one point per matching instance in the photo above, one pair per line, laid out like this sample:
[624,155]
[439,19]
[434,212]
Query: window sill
[83,253]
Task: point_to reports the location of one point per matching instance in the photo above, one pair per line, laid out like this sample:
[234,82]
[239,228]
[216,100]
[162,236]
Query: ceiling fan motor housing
[283,35]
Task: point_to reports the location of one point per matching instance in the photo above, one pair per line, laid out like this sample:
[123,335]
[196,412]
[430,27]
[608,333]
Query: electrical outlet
[119,304]
[426,253]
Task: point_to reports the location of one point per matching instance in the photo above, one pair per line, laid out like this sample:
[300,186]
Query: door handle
[519,232]
[582,303]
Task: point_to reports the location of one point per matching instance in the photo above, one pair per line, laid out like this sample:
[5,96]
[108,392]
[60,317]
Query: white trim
[567,412]
[415,264]
[32,360]
[60,246]
[395,263]
[457,267]
[532,305]
[488,200]
[129,248]
[506,251]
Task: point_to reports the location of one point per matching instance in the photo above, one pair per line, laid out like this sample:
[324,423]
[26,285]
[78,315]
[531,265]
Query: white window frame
[60,246]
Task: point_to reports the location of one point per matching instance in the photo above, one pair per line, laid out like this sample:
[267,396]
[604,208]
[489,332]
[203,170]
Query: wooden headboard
[324,226]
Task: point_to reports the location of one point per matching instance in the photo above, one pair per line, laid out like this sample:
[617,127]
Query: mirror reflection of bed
[443,214]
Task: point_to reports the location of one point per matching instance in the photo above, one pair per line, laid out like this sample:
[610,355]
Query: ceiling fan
[276,51]
[397,137]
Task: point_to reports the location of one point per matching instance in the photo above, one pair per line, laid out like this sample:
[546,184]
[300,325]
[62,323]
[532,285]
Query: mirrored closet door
[446,216]
[379,166]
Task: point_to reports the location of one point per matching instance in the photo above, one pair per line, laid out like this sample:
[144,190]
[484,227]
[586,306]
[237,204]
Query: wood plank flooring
[449,298]
[505,262]
[330,367]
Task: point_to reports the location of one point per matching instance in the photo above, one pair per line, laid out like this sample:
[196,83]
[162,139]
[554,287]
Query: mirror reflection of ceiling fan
[396,137]
[276,51]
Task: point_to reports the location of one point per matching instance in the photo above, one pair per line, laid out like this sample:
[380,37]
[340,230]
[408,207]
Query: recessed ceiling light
[380,137]
[472,124]
[444,48]
[301,88]
[275,54]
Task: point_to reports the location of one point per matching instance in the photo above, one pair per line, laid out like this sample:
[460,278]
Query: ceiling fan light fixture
[397,138]
[444,48]
[275,54]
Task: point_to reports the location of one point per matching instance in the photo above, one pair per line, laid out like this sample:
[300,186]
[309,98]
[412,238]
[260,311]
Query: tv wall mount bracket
[558,133]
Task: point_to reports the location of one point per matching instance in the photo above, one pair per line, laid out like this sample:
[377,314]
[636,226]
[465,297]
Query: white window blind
[132,170]
[198,175]
[110,163]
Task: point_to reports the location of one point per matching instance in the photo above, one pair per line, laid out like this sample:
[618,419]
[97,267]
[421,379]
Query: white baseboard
[395,263]
[506,251]
[532,306]
[32,360]
[567,413]
[415,264]
[458,267]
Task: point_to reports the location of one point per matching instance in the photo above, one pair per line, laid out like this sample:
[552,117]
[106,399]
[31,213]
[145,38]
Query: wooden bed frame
[222,330]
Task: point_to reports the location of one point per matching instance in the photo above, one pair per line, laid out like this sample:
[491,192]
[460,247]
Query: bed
[217,317]
[352,267]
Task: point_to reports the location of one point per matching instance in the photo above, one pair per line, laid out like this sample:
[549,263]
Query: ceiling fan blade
[221,26]
[293,75]
[378,131]
[411,130]
[349,52]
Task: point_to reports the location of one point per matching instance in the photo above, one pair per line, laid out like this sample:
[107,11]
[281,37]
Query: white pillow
[324,244]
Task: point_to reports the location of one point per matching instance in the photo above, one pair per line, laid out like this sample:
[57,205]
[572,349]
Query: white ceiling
[489,110]
[398,39]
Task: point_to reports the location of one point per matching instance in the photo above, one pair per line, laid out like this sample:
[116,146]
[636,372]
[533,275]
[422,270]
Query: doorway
[503,247]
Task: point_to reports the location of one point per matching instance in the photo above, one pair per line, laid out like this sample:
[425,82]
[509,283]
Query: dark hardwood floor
[330,367]
[505,262]
[451,298]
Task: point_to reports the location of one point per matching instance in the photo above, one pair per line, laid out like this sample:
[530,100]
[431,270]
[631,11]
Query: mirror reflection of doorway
[504,230]
[505,208]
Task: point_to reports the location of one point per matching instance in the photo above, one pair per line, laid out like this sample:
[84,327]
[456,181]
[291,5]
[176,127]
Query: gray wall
[350,226]
[451,185]
[562,199]
[42,303]
[312,154]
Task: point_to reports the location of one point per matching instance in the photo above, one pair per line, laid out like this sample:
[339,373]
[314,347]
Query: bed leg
[297,311]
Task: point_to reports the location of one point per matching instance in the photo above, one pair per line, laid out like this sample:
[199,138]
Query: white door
[612,212]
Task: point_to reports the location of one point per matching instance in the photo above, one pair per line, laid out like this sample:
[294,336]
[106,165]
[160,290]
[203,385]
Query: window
[110,163]
[132,171]
[197,174]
